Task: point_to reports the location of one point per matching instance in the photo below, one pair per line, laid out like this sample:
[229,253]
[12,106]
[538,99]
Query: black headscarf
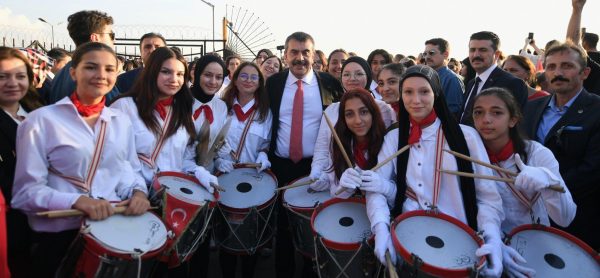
[201,64]
[363,64]
[454,137]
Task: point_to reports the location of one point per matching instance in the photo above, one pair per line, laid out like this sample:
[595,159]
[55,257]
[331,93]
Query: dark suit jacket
[498,78]
[126,80]
[8,134]
[575,142]
[330,88]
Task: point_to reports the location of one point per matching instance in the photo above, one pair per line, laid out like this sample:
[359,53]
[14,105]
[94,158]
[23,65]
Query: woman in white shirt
[496,116]
[249,137]
[76,154]
[426,124]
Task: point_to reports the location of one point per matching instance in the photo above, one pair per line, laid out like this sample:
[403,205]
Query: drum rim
[246,210]
[304,210]
[429,268]
[336,244]
[191,178]
[528,227]
[94,245]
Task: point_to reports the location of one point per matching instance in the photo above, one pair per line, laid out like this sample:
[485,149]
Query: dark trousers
[228,263]
[286,170]
[49,250]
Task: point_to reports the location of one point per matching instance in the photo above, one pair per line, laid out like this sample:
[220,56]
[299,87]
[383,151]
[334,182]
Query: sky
[400,26]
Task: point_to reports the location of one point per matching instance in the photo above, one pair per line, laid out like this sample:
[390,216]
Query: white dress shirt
[311,116]
[322,153]
[221,91]
[420,176]
[257,139]
[56,136]
[559,206]
[172,153]
[373,89]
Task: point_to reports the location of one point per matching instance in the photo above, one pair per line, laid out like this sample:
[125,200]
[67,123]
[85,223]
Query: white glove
[350,179]
[493,249]
[371,181]
[205,178]
[263,160]
[532,179]
[224,165]
[383,243]
[321,182]
[224,151]
[513,261]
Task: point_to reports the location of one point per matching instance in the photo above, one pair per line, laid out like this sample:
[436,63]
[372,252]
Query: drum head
[299,196]
[129,234]
[437,242]
[552,255]
[343,222]
[185,190]
[246,188]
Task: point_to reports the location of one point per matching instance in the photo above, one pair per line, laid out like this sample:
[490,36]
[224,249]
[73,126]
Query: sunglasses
[430,53]
[111,35]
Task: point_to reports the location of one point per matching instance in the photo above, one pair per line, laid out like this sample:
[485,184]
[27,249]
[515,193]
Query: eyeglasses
[248,77]
[111,35]
[430,53]
[357,75]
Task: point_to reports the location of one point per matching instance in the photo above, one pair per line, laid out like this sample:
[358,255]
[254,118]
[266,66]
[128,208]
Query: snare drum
[433,244]
[300,205]
[343,239]
[186,209]
[115,247]
[245,221]
[554,253]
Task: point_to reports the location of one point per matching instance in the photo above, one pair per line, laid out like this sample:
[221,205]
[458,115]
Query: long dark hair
[32,99]
[375,134]
[453,134]
[260,95]
[145,93]
[514,111]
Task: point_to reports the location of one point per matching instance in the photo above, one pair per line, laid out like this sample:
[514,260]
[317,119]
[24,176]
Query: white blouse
[57,137]
[257,139]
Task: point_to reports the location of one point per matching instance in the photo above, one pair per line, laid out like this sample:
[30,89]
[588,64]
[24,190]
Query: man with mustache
[568,123]
[297,98]
[436,55]
[483,56]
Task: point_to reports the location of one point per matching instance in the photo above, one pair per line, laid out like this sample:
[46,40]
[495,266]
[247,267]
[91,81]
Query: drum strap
[238,153]
[151,161]
[86,184]
[518,194]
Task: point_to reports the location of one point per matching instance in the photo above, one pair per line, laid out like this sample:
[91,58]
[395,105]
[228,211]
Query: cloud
[7,18]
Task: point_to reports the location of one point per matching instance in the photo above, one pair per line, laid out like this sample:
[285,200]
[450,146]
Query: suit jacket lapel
[573,114]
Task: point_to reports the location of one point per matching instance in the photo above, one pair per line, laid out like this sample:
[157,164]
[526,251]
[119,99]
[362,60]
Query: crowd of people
[80,132]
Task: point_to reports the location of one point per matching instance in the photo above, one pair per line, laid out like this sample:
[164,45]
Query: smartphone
[530,36]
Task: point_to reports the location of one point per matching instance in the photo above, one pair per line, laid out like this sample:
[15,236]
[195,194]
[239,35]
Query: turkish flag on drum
[177,214]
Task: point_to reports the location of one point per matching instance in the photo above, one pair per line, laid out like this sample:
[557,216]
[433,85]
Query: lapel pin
[580,111]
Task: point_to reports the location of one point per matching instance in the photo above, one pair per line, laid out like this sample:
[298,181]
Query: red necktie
[241,116]
[161,106]
[359,155]
[504,153]
[87,110]
[296,133]
[416,127]
[207,113]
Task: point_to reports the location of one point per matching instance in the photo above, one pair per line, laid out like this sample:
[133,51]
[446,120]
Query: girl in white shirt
[496,116]
[77,154]
[426,124]
[249,137]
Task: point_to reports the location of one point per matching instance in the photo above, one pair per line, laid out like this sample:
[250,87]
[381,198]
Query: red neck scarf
[87,110]
[396,107]
[161,106]
[417,127]
[504,153]
[208,114]
[359,154]
[241,116]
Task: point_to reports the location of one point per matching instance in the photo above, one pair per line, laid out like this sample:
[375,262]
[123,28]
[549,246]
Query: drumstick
[379,165]
[295,185]
[217,187]
[251,165]
[337,140]
[75,212]
[497,168]
[390,266]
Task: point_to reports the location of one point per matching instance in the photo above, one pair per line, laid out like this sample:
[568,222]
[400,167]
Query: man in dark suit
[148,43]
[568,123]
[298,97]
[483,55]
